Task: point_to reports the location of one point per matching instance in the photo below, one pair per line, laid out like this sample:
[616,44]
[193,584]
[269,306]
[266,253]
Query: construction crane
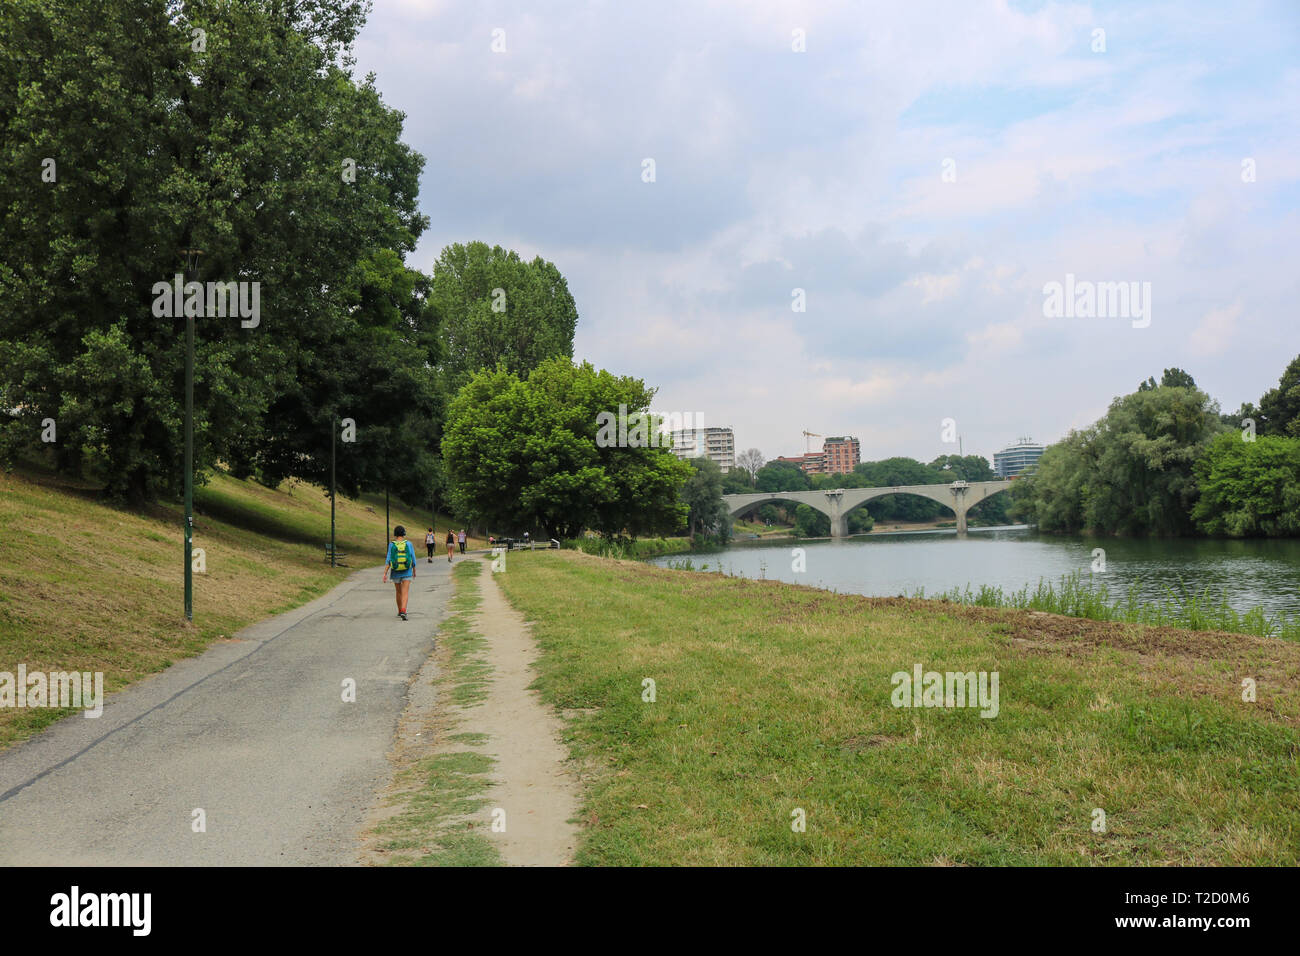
[806,435]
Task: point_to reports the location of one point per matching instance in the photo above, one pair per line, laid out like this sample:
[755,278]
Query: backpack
[401,557]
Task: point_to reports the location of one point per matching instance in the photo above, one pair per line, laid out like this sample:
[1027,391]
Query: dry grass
[91,587]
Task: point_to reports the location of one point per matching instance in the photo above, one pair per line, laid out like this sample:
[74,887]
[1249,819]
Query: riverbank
[713,716]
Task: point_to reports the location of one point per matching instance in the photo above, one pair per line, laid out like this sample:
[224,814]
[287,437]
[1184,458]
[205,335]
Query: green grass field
[90,587]
[771,699]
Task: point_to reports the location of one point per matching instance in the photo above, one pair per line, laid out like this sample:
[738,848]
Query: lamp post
[333,491]
[191,273]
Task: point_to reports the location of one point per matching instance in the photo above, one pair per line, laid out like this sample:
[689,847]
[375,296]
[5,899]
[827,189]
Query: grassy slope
[89,587]
[772,697]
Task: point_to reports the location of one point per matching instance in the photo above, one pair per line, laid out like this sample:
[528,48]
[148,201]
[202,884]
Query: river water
[1251,573]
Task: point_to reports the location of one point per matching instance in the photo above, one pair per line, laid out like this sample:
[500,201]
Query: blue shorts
[401,575]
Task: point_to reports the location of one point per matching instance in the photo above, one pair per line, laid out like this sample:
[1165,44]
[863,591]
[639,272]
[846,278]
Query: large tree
[522,454]
[1131,472]
[496,309]
[231,128]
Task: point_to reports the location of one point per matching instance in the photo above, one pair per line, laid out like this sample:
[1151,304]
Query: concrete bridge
[836,505]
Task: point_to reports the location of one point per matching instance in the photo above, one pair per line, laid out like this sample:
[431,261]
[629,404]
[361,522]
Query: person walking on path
[460,539]
[430,542]
[451,543]
[401,562]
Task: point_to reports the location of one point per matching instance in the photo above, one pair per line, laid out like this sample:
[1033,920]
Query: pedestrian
[430,542]
[460,539]
[525,539]
[451,543]
[401,562]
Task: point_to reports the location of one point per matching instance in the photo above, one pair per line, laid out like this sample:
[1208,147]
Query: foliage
[781,476]
[702,494]
[237,149]
[496,309]
[811,523]
[736,481]
[522,453]
[1279,408]
[1249,488]
[1131,472]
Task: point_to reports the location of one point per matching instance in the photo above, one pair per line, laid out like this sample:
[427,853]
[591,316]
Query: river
[1256,573]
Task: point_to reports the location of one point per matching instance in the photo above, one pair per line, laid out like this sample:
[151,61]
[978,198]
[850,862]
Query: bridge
[960,496]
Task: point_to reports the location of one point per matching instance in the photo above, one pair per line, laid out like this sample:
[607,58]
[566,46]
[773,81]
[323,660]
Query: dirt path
[534,784]
[538,789]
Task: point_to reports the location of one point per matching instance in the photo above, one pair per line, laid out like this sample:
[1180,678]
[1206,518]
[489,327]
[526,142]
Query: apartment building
[716,444]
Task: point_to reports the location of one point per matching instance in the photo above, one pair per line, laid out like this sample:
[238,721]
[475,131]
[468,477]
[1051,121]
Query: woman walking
[460,540]
[451,543]
[430,542]
[401,562]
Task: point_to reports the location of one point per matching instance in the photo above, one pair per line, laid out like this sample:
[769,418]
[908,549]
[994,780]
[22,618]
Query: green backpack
[401,557]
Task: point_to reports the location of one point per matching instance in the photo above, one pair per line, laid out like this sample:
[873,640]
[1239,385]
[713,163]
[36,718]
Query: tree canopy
[521,454]
[496,309]
[135,130]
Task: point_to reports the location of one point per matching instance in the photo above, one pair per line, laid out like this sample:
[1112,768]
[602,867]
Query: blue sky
[822,170]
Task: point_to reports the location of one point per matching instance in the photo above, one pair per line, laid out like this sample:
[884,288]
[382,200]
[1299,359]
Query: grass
[440,793]
[630,550]
[1197,612]
[773,698]
[92,587]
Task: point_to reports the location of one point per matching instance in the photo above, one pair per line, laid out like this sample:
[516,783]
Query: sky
[920,170]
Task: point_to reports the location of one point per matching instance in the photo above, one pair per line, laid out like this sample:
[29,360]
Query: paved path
[254,731]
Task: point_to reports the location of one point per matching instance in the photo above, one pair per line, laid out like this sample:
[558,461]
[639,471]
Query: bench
[337,555]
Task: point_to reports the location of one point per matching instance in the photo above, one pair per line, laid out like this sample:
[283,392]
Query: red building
[837,457]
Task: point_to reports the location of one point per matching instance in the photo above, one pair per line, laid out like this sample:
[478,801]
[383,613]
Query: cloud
[822,171]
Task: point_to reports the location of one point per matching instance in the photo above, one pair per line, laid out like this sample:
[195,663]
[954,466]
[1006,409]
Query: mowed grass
[774,698]
[91,587]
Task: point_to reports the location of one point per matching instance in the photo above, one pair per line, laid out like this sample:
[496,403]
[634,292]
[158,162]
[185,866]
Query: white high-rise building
[717,444]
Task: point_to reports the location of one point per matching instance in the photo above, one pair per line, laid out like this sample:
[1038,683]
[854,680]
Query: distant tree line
[1164,461]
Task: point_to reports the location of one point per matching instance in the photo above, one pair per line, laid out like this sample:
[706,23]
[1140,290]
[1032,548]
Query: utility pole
[191,271]
[388,525]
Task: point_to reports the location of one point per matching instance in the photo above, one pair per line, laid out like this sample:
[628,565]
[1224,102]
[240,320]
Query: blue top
[392,556]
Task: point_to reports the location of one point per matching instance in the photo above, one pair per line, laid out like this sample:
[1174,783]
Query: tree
[965,468]
[750,460]
[1279,408]
[238,148]
[736,481]
[523,453]
[811,523]
[781,476]
[702,495]
[1131,472]
[1249,489]
[495,309]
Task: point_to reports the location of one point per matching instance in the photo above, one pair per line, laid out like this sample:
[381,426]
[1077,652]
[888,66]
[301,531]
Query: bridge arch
[765,498]
[837,503]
